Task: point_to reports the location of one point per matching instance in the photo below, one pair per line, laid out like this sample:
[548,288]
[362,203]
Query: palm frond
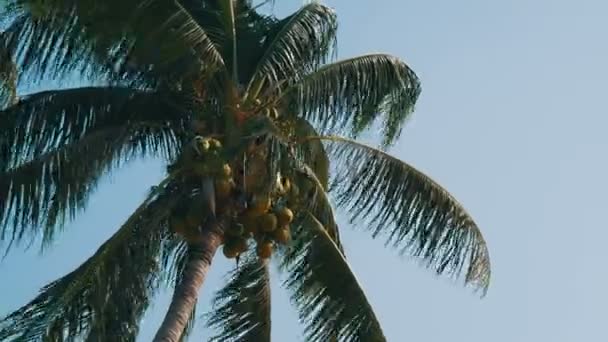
[241,309]
[49,43]
[313,152]
[55,38]
[302,42]
[354,93]
[415,214]
[52,163]
[330,301]
[104,298]
[46,120]
[42,194]
[186,46]
[8,79]
[295,161]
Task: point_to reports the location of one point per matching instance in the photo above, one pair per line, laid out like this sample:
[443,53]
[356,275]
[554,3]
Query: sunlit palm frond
[355,92]
[107,295]
[414,213]
[329,299]
[241,309]
[300,43]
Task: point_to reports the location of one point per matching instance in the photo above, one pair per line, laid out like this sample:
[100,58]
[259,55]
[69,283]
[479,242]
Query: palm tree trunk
[184,300]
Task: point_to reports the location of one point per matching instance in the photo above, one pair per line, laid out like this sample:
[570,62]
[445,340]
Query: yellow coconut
[264,249]
[284,216]
[285,185]
[226,171]
[281,235]
[260,205]
[268,222]
[204,145]
[215,144]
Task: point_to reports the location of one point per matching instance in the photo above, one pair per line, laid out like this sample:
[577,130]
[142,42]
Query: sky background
[511,120]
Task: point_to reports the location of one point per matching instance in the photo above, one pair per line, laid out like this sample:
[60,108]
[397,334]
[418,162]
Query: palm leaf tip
[356,92]
[303,42]
[412,212]
[108,294]
[329,298]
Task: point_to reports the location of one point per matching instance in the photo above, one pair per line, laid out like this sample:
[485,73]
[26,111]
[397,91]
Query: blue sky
[511,120]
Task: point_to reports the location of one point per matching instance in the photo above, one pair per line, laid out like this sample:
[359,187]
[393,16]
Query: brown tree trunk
[184,300]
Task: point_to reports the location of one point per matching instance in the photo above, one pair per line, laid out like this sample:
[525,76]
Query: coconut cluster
[256,215]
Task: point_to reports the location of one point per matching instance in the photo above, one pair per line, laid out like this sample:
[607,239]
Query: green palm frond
[8,79]
[46,120]
[56,146]
[48,44]
[241,310]
[303,41]
[41,194]
[107,295]
[186,46]
[313,152]
[356,92]
[413,212]
[57,37]
[311,182]
[230,44]
[329,299]
[317,202]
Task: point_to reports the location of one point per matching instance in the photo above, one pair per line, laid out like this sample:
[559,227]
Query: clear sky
[511,120]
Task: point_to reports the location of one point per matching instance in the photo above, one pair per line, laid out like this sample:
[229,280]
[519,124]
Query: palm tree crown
[257,131]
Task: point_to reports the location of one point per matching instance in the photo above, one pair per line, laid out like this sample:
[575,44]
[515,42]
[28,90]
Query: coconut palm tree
[258,132]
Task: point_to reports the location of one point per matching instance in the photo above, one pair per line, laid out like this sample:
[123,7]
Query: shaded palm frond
[299,44]
[46,41]
[8,79]
[316,201]
[186,48]
[329,299]
[414,213]
[41,194]
[43,121]
[241,309]
[105,297]
[354,93]
[110,39]
[228,18]
[312,152]
[293,160]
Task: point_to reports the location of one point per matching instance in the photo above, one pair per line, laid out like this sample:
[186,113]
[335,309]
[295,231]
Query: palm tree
[258,134]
